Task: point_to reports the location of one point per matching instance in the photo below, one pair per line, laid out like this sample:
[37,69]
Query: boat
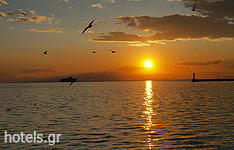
[208,80]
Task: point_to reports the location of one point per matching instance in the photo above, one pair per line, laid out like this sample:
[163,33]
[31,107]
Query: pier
[209,80]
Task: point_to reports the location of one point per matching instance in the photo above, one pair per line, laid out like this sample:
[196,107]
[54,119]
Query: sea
[117,115]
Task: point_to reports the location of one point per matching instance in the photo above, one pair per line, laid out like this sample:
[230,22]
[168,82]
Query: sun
[148,64]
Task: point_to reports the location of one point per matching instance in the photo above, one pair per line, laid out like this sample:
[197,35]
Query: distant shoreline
[93,81]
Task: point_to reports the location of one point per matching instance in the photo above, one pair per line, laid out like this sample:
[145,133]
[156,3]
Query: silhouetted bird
[194,7]
[8,109]
[74,80]
[89,26]
[94,52]
[45,52]
[113,51]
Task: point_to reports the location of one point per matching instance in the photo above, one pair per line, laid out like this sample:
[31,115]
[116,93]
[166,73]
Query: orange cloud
[45,30]
[10,20]
[97,5]
[31,19]
[3,2]
[2,14]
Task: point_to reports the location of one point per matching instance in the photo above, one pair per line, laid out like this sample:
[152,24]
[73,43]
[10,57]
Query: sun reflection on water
[149,112]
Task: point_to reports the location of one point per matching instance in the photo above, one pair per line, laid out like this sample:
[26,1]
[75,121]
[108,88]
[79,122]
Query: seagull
[74,80]
[94,52]
[113,51]
[8,109]
[89,26]
[194,8]
[45,52]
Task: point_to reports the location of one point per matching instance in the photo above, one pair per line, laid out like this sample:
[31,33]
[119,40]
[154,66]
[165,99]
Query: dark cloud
[119,36]
[213,8]
[173,27]
[215,22]
[182,26]
[124,73]
[5,77]
[40,70]
[214,62]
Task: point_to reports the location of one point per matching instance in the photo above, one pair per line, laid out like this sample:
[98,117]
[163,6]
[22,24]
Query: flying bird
[89,26]
[45,52]
[74,80]
[194,7]
[8,109]
[113,51]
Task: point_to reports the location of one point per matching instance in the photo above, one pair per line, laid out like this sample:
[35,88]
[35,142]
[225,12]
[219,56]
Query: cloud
[87,31]
[181,27]
[32,12]
[21,12]
[40,70]
[134,0]
[214,62]
[112,1]
[10,20]
[45,30]
[124,73]
[50,19]
[98,5]
[36,19]
[116,36]
[213,8]
[2,14]
[215,22]
[3,2]
[173,27]
[169,28]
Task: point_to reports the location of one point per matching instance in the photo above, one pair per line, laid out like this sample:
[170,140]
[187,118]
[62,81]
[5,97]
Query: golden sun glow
[148,64]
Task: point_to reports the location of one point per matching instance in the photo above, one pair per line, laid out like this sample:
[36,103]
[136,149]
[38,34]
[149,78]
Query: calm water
[121,115]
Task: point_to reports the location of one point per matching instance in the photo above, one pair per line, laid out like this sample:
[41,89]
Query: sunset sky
[177,40]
